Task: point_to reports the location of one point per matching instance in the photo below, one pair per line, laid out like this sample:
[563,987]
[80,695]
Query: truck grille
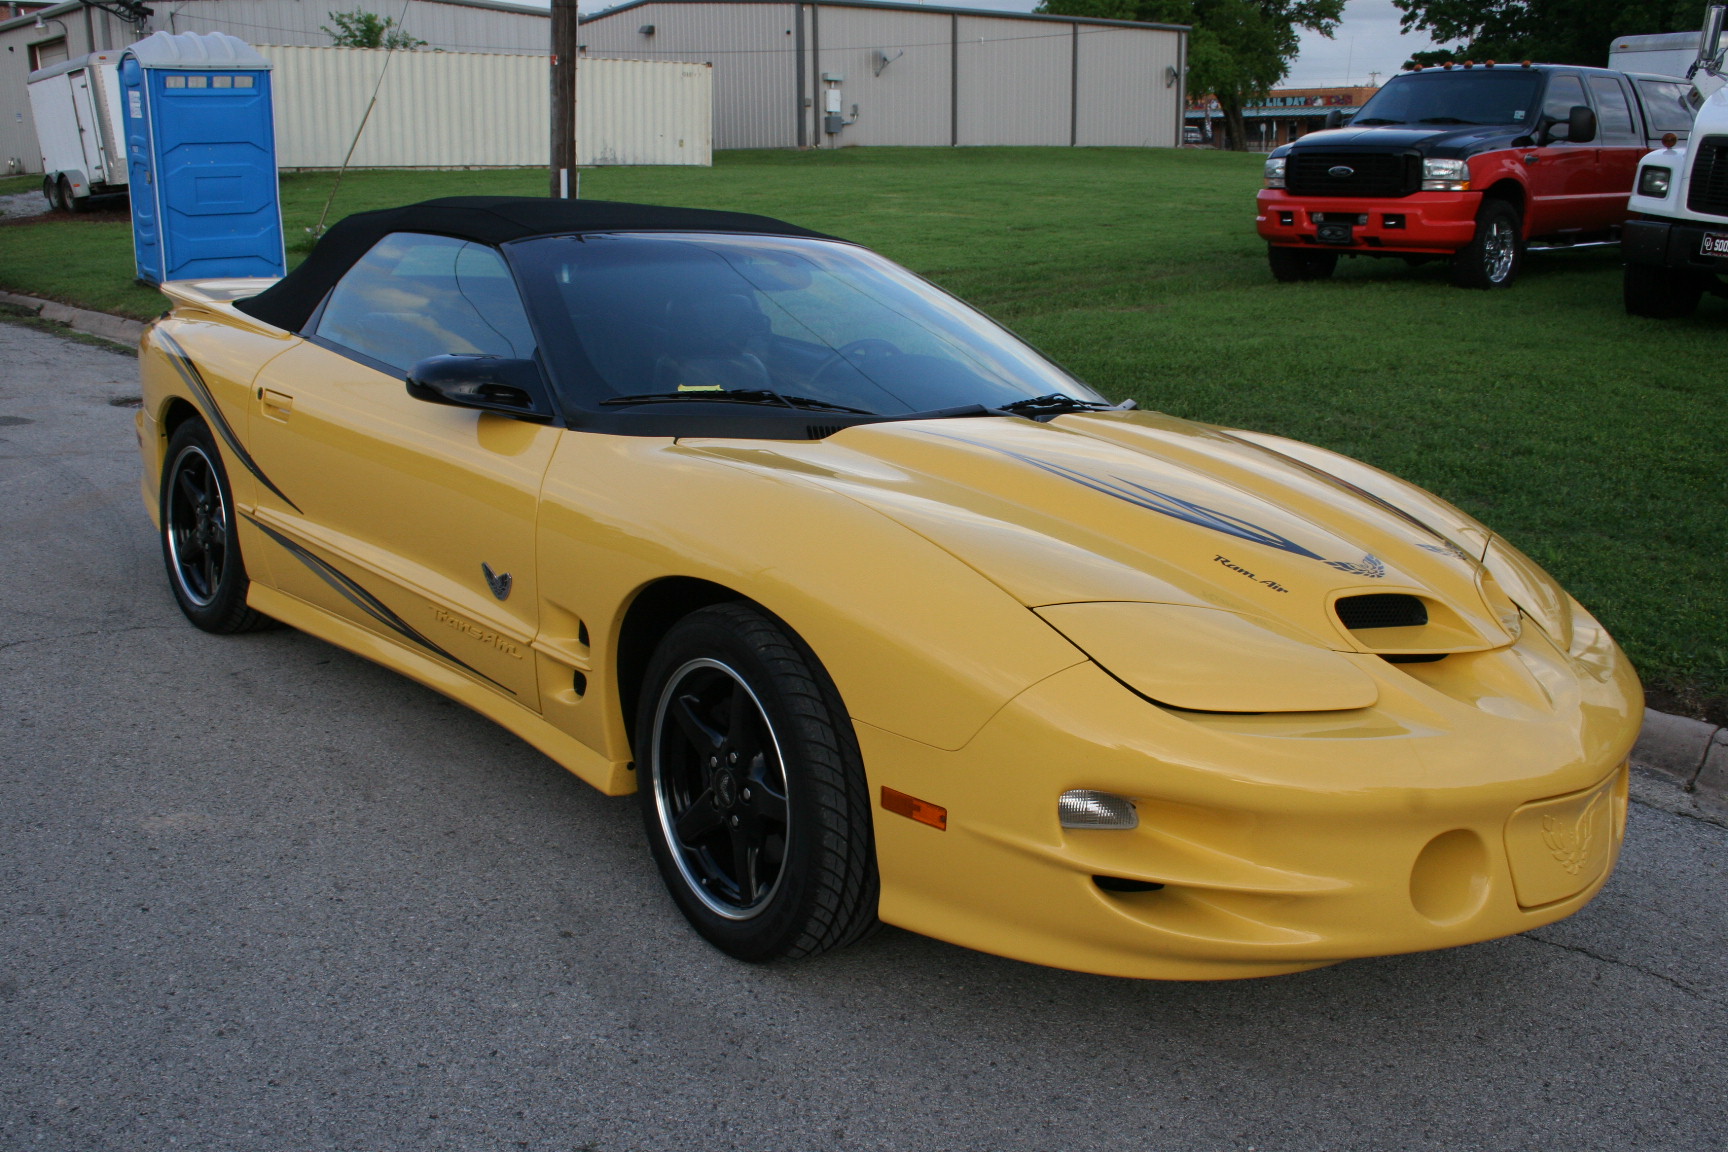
[1369,174]
[1709,191]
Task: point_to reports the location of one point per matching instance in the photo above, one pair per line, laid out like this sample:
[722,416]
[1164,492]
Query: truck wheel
[1492,257]
[1292,264]
[1660,293]
[51,192]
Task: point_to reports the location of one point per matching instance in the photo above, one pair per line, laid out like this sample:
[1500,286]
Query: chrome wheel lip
[1499,249]
[662,808]
[173,529]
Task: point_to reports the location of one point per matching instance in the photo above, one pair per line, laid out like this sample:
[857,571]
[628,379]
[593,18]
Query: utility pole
[565,27]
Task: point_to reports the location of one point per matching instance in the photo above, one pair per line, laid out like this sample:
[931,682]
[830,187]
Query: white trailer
[79,125]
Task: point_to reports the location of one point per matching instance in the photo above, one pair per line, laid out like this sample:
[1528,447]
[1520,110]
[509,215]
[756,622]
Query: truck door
[1564,187]
[1619,144]
[85,112]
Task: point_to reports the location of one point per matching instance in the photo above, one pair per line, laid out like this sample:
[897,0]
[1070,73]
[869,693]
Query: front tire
[752,789]
[1290,265]
[1660,293]
[1495,254]
[200,543]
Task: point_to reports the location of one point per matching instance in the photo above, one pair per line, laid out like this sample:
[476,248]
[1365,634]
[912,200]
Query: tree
[361,29]
[1546,31]
[1237,49]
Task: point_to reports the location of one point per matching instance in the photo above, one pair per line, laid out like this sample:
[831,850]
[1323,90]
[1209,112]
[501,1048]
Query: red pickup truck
[1471,163]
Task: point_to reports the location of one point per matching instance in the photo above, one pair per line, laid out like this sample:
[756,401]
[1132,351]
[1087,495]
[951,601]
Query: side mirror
[1335,118]
[1580,125]
[489,383]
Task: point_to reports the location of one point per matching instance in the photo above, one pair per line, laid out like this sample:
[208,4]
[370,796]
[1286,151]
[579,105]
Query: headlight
[1275,173]
[1445,176]
[1653,181]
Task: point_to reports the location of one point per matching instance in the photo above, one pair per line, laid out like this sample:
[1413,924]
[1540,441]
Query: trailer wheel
[1494,254]
[51,193]
[71,203]
[1660,293]
[1292,264]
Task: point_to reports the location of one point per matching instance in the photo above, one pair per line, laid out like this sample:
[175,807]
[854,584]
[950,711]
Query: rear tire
[51,193]
[200,542]
[752,788]
[1495,254]
[1660,293]
[1290,265]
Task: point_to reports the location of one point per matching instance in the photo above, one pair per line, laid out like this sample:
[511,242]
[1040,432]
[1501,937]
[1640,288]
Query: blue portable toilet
[201,155]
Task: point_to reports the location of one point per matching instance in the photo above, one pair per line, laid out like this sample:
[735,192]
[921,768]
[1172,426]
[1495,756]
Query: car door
[1564,185]
[1619,145]
[410,519]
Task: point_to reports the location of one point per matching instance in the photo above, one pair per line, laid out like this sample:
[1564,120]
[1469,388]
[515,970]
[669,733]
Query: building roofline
[903,6]
[69,6]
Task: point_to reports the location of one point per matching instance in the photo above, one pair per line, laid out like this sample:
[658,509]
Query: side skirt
[611,777]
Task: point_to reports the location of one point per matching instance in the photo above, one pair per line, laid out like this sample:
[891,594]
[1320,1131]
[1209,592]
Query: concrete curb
[1686,756]
[1690,755]
[116,328]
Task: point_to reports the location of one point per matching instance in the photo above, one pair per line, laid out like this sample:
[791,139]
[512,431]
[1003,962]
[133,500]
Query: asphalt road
[256,893]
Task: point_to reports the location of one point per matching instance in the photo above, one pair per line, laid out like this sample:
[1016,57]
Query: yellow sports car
[883,615]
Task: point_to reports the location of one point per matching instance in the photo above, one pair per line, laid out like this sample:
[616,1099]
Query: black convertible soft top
[290,302]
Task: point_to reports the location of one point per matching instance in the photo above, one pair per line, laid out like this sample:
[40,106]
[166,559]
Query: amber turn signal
[915,809]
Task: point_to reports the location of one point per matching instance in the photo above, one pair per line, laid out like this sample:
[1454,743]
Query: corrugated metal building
[845,72]
[490,108]
[72,29]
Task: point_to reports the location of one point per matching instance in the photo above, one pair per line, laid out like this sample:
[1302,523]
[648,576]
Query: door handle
[1531,158]
[276,405]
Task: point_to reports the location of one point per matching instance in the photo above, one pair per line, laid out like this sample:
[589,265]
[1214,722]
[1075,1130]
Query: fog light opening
[1084,808]
[1449,881]
[1123,884]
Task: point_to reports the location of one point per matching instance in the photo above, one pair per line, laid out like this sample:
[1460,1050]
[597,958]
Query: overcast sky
[1366,42]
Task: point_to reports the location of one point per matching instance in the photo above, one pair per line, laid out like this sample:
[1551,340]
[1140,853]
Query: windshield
[1457,97]
[633,315]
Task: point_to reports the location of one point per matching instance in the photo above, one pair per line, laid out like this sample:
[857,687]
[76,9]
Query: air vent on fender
[821,431]
[1382,610]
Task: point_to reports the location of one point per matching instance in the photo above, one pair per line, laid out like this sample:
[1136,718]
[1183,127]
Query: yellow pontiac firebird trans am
[884,616]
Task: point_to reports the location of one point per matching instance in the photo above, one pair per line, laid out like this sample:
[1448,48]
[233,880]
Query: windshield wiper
[1375,120]
[1056,404]
[1443,120]
[738,396]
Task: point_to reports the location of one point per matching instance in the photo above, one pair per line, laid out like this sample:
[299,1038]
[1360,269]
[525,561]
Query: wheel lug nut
[731,757]
[734,821]
[746,793]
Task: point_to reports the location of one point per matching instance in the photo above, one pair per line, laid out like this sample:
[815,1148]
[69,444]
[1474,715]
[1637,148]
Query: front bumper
[1423,222]
[1670,244]
[1441,816]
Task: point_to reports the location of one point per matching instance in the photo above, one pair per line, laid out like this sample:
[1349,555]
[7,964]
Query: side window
[414,296]
[1564,92]
[1613,112]
[1667,106]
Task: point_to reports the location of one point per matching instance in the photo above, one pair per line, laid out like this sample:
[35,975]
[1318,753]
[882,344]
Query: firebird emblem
[1570,843]
[499,583]
[1340,171]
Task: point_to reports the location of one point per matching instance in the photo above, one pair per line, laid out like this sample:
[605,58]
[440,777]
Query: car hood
[1150,508]
[1440,141]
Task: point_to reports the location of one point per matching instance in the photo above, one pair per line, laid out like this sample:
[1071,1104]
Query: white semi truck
[80,127]
[1676,245]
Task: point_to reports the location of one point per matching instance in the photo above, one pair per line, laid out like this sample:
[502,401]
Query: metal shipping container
[481,110]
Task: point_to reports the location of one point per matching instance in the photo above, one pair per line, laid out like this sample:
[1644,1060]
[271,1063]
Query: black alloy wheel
[1290,265]
[752,788]
[1495,254]
[1660,293]
[200,545]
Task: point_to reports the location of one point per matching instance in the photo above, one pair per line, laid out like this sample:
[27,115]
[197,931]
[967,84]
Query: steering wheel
[858,353]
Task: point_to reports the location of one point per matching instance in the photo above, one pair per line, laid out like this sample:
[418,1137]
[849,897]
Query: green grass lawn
[12,185]
[1596,442]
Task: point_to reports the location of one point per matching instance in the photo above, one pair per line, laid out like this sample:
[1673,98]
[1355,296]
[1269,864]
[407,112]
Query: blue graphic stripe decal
[1185,510]
[1446,547]
[213,413]
[365,601]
